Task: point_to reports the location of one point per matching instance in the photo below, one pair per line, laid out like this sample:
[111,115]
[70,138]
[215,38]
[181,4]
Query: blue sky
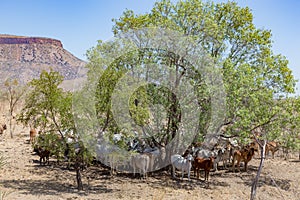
[80,23]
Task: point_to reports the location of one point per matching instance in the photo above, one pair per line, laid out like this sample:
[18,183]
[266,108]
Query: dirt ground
[23,178]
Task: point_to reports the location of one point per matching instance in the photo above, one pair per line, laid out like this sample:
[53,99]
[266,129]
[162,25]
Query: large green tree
[253,75]
[255,79]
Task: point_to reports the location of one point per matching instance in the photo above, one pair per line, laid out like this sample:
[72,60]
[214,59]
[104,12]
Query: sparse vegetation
[3,194]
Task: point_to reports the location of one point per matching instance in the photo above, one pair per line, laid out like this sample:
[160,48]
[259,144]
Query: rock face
[6,39]
[23,58]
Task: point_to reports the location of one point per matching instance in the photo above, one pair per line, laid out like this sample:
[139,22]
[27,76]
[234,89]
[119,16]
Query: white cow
[140,162]
[181,163]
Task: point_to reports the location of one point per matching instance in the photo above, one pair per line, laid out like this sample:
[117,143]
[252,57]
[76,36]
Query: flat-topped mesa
[7,39]
[25,57]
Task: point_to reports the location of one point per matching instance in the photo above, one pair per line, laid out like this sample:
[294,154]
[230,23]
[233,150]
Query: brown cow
[43,153]
[273,147]
[203,163]
[244,155]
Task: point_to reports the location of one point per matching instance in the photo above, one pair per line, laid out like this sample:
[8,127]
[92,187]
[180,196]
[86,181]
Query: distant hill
[23,58]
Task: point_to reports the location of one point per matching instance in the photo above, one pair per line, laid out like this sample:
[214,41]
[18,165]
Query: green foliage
[47,106]
[288,135]
[255,79]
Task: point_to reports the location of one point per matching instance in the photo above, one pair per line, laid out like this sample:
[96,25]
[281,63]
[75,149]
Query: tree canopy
[255,79]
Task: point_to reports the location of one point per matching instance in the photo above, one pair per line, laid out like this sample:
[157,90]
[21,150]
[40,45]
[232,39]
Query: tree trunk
[255,182]
[10,126]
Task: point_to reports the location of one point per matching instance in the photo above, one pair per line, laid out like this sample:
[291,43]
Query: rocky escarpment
[23,58]
[6,39]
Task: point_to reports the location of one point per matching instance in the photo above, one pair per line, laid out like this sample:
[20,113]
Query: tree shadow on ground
[98,180]
[56,179]
[47,187]
[249,176]
[163,179]
[295,161]
[283,184]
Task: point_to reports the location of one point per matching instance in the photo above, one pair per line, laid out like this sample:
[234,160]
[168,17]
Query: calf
[181,163]
[203,163]
[244,155]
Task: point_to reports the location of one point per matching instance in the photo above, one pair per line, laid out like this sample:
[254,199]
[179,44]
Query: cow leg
[145,171]
[206,175]
[233,165]
[215,166]
[47,160]
[246,163]
[238,164]
[173,172]
[225,164]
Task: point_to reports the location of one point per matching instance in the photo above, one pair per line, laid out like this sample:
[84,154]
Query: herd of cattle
[226,151]
[198,156]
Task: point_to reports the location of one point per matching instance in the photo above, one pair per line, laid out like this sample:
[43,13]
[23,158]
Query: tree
[253,76]
[13,95]
[50,108]
[47,105]
[255,79]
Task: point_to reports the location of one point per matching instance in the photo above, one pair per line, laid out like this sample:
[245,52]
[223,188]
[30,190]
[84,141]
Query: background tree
[47,104]
[14,93]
